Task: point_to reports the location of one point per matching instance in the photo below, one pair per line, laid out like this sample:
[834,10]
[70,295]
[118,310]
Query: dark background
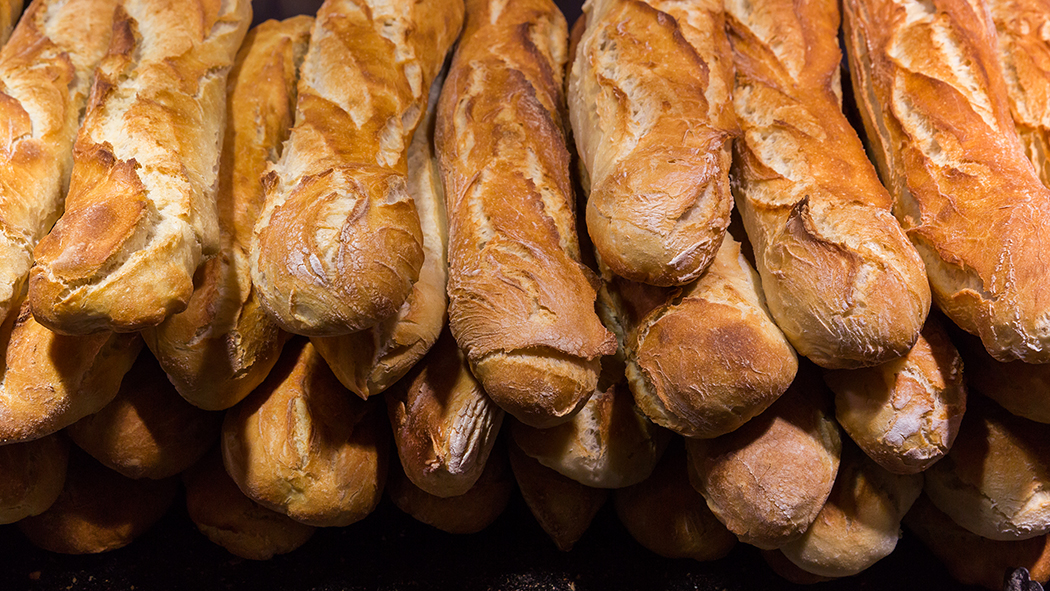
[389,551]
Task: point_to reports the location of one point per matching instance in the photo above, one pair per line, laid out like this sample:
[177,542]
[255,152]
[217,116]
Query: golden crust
[840,277]
[140,214]
[338,246]
[1019,387]
[31,476]
[44,83]
[223,345]
[654,135]
[934,104]
[514,259]
[9,13]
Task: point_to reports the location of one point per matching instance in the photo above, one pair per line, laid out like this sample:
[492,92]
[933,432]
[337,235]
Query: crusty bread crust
[931,93]
[140,214]
[649,98]
[338,245]
[521,303]
[32,474]
[223,345]
[45,75]
[840,277]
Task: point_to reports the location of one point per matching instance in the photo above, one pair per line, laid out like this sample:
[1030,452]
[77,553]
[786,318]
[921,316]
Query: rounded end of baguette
[539,387]
[33,475]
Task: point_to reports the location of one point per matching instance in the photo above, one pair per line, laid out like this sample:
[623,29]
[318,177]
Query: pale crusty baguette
[905,413]
[649,98]
[861,520]
[931,93]
[147,430]
[223,345]
[9,13]
[370,361]
[338,245]
[31,476]
[228,518]
[98,509]
[705,359]
[302,445]
[1024,55]
[50,381]
[444,424]
[45,75]
[768,480]
[521,303]
[140,214]
[840,277]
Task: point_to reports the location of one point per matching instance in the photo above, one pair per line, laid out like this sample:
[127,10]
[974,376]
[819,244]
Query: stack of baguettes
[300,219]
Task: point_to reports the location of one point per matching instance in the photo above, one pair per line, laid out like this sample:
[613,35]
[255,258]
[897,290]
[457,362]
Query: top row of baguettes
[654,137]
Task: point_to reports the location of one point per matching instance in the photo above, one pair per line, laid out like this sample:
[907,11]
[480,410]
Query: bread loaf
[905,413]
[1019,387]
[338,245]
[649,98]
[520,302]
[140,214]
[45,75]
[223,345]
[228,518]
[147,430]
[32,475]
[840,277]
[995,481]
[51,381]
[302,445]
[1024,56]
[931,92]
[370,361]
[704,360]
[768,480]
[444,424]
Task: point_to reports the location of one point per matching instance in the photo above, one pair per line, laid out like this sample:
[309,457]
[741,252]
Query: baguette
[514,259]
[9,13]
[338,245]
[1019,387]
[905,413]
[51,381]
[649,98]
[32,475]
[840,277]
[1024,56]
[370,361]
[934,104]
[140,214]
[45,75]
[223,345]
[704,360]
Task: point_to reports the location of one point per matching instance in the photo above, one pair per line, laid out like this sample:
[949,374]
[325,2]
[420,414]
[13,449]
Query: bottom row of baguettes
[302,452]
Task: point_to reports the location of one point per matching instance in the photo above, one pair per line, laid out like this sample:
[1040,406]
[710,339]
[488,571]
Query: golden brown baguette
[931,93]
[768,480]
[971,559]
[1024,55]
[32,475]
[228,518]
[995,481]
[51,381]
[147,430]
[1019,387]
[98,509]
[140,214]
[10,10]
[45,75]
[665,514]
[370,361]
[861,520]
[841,279]
[338,244]
[514,259]
[905,413]
[223,345]
[444,424]
[705,359]
[649,98]
[302,445]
